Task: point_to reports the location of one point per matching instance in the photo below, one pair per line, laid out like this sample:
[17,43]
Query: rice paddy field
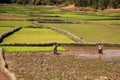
[30,48]
[32,35]
[39,63]
[89,24]
[54,11]
[4,29]
[21,9]
[92,33]
[14,23]
[108,22]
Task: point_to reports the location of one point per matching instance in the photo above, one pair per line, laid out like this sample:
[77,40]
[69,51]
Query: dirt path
[3,76]
[4,73]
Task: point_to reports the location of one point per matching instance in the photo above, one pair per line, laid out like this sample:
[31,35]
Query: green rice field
[4,29]
[92,33]
[29,48]
[92,28]
[108,22]
[21,9]
[54,11]
[28,60]
[10,23]
[32,35]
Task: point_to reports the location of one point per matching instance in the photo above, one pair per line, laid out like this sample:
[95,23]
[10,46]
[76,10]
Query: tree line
[97,4]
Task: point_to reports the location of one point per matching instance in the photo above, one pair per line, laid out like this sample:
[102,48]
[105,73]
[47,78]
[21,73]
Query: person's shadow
[58,53]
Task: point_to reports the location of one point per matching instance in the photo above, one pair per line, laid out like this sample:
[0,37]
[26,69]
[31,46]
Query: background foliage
[98,4]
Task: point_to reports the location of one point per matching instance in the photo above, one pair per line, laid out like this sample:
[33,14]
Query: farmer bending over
[100,50]
[55,45]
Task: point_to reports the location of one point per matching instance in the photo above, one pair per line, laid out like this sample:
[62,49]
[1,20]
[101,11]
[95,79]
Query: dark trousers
[100,51]
[55,51]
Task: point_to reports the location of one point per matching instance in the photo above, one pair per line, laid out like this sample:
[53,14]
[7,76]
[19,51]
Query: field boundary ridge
[68,34]
[60,44]
[4,66]
[5,34]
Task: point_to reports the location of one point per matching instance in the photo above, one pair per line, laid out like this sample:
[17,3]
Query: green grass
[108,22]
[86,15]
[4,29]
[20,9]
[29,48]
[84,30]
[50,10]
[13,16]
[92,33]
[12,9]
[80,16]
[32,35]
[14,23]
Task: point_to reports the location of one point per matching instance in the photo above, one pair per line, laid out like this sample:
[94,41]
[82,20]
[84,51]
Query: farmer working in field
[55,45]
[100,50]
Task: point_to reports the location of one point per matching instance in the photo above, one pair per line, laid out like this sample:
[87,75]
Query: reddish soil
[87,49]
[70,50]
[112,10]
[71,7]
[3,76]
[7,17]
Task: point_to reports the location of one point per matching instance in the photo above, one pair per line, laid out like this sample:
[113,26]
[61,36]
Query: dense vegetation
[98,4]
